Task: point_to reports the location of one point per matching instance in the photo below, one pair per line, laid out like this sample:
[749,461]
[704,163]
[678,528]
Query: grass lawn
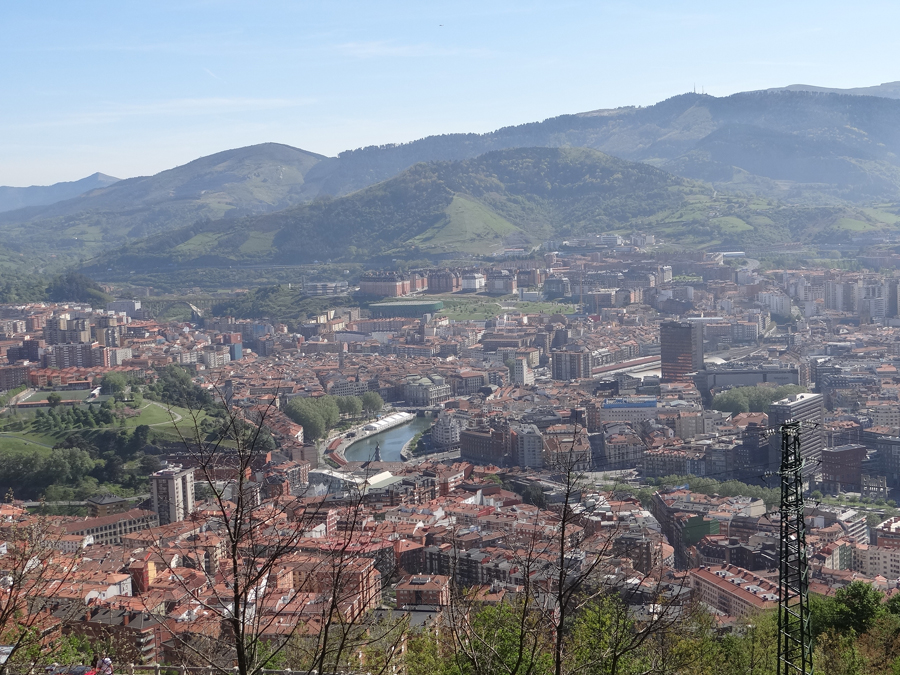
[466,226]
[31,439]
[853,225]
[152,414]
[30,434]
[15,444]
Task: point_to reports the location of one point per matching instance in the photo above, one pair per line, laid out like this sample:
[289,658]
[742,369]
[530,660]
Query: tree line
[753,399]
[318,415]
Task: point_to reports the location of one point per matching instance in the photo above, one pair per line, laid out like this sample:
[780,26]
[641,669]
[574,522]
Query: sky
[132,88]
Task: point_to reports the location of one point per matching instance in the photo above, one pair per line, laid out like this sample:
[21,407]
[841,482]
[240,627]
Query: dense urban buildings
[609,388]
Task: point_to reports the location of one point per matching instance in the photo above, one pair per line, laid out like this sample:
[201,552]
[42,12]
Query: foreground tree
[33,567]
[276,596]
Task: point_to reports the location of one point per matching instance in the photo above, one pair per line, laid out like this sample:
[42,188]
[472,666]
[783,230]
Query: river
[391,441]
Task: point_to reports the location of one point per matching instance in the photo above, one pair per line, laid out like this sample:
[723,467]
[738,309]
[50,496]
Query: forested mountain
[510,197]
[229,184]
[12,198]
[794,145]
[885,89]
[507,198]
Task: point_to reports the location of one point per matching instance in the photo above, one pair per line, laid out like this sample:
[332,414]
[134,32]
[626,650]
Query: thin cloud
[213,75]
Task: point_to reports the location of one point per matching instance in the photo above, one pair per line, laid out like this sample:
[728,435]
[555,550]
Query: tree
[349,405]
[174,387]
[113,383]
[53,399]
[263,604]
[372,402]
[33,567]
[74,286]
[306,414]
[138,440]
[752,399]
[854,607]
[149,464]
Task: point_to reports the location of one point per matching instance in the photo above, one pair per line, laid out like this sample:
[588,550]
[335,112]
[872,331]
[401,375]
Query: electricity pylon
[794,644]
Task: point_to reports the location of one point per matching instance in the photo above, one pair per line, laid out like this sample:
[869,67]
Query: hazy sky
[132,88]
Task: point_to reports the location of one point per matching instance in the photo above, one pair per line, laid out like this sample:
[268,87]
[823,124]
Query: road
[17,398]
[136,498]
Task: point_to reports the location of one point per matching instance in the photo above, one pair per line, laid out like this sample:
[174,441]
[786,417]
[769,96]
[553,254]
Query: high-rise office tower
[172,491]
[807,408]
[681,349]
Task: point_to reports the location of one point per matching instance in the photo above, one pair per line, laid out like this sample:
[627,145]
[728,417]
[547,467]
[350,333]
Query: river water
[391,442]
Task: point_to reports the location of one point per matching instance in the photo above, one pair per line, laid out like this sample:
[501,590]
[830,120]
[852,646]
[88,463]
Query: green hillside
[231,184]
[509,198]
[467,227]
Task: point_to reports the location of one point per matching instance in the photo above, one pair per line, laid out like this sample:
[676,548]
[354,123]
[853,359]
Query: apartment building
[172,492]
[733,590]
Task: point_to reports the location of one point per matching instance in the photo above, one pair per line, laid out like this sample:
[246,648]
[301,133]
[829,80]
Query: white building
[778,303]
[445,432]
[611,240]
[529,446]
[877,560]
[885,415]
[522,374]
[633,409]
[473,281]
[128,307]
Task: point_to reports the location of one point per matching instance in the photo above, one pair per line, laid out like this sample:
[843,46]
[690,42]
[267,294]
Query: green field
[257,242]
[545,307]
[77,395]
[13,443]
[151,415]
[731,224]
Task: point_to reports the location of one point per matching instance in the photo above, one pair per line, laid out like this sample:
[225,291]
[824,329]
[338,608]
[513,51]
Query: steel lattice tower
[794,645]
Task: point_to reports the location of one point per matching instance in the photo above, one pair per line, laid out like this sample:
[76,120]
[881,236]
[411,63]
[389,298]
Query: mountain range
[807,150]
[886,90]
[12,198]
[507,198]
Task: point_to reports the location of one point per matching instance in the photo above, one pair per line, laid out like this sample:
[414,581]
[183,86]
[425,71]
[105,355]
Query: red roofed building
[733,590]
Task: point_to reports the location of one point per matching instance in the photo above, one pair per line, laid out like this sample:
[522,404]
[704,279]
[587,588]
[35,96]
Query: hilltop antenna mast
[794,644]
